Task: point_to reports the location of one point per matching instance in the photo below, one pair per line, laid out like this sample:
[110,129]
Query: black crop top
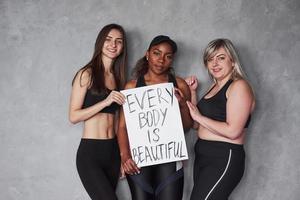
[92,98]
[215,106]
[141,81]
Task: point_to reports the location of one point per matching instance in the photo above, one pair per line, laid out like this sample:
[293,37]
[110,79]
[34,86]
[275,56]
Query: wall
[43,44]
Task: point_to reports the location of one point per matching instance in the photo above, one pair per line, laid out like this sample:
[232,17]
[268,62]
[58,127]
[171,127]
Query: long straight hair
[96,68]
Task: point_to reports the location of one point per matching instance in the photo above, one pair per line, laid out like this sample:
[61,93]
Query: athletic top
[215,106]
[92,98]
[141,81]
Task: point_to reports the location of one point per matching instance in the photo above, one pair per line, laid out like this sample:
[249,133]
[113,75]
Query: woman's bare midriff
[100,126]
[205,134]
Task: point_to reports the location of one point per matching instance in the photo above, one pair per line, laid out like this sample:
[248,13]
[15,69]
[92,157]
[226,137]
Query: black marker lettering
[142,120]
[171,93]
[159,92]
[164,114]
[150,97]
[129,103]
[141,104]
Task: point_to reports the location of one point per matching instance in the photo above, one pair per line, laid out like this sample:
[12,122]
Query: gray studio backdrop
[44,42]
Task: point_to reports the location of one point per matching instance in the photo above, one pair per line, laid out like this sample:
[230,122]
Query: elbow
[234,135]
[186,129]
[195,126]
[73,119]
[188,126]
[187,122]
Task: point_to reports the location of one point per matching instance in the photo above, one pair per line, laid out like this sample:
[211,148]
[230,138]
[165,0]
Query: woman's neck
[107,64]
[154,78]
[220,83]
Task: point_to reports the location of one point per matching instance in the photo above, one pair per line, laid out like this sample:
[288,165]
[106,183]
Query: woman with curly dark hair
[163,181]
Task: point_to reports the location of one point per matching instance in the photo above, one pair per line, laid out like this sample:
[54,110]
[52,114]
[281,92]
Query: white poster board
[154,125]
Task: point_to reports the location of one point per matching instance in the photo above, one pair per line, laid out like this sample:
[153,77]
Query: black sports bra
[141,81]
[215,106]
[92,98]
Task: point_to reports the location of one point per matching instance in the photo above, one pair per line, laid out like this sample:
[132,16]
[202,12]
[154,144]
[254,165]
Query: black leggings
[218,168]
[158,182]
[98,165]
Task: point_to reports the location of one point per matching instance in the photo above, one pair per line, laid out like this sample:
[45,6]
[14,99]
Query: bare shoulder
[130,84]
[240,85]
[83,77]
[181,82]
[182,85]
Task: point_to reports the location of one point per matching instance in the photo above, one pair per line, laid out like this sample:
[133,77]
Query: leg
[169,182]
[112,165]
[231,177]
[216,177]
[140,185]
[93,177]
[204,180]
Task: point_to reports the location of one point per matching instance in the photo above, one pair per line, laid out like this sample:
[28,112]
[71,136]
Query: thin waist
[99,126]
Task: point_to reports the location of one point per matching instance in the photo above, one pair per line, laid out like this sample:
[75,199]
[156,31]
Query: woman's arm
[240,103]
[183,95]
[192,82]
[128,164]
[79,89]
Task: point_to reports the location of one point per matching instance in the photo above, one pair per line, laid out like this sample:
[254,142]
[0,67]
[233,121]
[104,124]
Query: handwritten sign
[154,125]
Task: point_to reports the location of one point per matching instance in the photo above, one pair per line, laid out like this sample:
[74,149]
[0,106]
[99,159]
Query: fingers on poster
[154,125]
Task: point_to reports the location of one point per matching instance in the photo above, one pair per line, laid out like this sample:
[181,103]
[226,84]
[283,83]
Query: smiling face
[160,58]
[220,64]
[113,44]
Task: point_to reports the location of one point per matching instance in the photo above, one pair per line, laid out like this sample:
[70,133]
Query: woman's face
[113,44]
[160,58]
[220,64]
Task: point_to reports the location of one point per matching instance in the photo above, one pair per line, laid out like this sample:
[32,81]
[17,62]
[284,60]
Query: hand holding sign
[154,125]
[180,97]
[130,167]
[115,96]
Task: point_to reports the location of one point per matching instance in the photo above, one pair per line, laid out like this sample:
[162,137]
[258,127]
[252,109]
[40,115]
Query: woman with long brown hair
[95,100]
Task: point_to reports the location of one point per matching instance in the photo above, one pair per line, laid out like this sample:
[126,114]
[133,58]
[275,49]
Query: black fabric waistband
[217,148]
[226,145]
[94,140]
[98,146]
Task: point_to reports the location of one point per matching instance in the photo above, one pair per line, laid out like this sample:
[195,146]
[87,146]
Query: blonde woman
[221,117]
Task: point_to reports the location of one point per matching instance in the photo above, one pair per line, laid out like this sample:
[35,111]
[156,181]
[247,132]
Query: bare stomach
[100,126]
[205,134]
